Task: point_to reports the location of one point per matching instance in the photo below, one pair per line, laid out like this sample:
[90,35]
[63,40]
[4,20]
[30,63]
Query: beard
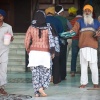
[88,19]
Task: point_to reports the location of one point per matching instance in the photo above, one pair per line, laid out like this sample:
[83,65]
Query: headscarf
[72,10]
[88,7]
[2,12]
[39,21]
[50,10]
[59,9]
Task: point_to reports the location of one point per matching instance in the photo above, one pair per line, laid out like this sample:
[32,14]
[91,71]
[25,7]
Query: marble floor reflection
[20,83]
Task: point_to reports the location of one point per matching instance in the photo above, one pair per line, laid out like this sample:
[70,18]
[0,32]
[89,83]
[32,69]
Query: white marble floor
[20,83]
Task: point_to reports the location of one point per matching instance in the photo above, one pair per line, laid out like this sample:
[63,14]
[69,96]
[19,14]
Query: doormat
[93,89]
[15,97]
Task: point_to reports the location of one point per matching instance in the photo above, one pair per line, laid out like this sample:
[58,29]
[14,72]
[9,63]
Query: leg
[56,70]
[45,76]
[75,50]
[94,71]
[3,77]
[35,81]
[84,70]
[63,50]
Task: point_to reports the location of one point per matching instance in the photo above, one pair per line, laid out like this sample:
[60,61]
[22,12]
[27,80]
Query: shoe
[72,74]
[96,86]
[42,93]
[82,86]
[3,92]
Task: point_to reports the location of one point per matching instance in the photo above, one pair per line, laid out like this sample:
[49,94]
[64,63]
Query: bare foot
[43,94]
[2,91]
[82,86]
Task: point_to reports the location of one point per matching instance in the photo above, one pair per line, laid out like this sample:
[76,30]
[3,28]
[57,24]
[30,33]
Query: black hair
[79,12]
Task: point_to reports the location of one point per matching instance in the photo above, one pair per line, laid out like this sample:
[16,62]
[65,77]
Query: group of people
[53,53]
[47,50]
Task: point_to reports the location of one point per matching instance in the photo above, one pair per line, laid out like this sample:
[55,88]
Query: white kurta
[37,58]
[4,50]
[88,56]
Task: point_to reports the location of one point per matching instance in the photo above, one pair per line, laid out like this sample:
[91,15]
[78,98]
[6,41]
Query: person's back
[41,50]
[75,47]
[64,22]
[72,13]
[63,47]
[58,29]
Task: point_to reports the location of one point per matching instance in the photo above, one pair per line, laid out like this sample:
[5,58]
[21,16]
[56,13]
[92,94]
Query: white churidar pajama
[4,50]
[88,56]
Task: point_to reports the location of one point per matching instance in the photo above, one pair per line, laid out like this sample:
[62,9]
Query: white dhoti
[88,56]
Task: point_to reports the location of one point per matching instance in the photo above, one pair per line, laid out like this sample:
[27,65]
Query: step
[16,68]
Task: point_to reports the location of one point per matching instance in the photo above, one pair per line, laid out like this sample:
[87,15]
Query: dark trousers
[63,52]
[26,61]
[75,50]
[99,53]
[56,70]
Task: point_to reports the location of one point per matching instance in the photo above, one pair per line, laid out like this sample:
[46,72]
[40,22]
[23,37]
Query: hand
[98,33]
[12,38]
[53,55]
[71,31]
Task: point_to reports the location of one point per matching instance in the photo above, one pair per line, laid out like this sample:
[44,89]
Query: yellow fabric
[50,10]
[88,7]
[72,10]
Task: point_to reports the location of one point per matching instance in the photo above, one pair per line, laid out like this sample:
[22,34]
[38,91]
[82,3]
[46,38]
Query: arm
[27,39]
[11,32]
[76,27]
[69,25]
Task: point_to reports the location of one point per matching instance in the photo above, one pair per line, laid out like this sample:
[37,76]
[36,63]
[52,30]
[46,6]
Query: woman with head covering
[41,50]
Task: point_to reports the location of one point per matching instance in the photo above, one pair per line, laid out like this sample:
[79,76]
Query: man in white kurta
[88,46]
[4,50]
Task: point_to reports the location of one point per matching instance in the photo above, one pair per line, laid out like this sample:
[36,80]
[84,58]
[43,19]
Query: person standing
[41,50]
[63,46]
[75,47]
[4,50]
[57,25]
[88,46]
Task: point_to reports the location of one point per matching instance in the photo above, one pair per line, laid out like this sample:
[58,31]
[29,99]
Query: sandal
[82,86]
[3,92]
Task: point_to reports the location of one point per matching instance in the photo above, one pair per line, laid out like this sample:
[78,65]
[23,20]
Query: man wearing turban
[88,46]
[4,50]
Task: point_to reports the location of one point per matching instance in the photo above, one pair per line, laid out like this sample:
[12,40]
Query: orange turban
[50,10]
[88,7]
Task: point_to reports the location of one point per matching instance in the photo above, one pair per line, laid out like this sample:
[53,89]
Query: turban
[72,10]
[2,12]
[50,10]
[59,9]
[88,7]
